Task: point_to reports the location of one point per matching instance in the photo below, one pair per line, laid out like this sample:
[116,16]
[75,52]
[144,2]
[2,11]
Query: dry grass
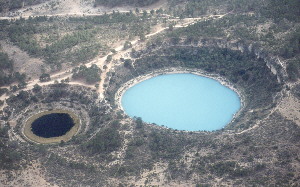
[37,139]
[31,176]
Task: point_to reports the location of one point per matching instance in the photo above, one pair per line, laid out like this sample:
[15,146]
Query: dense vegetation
[90,75]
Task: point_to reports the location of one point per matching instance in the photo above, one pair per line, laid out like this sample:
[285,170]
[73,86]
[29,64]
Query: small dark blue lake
[52,125]
[182,101]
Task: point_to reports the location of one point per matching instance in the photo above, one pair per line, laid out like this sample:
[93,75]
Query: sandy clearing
[23,63]
[73,8]
[32,176]
[290,108]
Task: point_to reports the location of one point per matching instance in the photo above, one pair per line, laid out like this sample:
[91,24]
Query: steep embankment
[257,75]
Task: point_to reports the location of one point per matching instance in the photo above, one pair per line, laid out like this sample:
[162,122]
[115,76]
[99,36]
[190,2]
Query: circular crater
[51,126]
[182,101]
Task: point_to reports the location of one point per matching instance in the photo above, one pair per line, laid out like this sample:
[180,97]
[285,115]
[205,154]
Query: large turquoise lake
[182,101]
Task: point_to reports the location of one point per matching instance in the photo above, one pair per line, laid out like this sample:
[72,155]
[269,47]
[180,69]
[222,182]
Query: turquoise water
[182,101]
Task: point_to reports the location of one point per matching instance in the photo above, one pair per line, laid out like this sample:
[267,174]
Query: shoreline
[221,80]
[30,136]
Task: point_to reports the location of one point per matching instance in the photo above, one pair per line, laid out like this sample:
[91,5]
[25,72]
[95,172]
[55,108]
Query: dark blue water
[52,125]
[182,101]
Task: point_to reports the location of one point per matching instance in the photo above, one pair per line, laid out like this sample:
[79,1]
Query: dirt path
[120,53]
[101,61]
[73,8]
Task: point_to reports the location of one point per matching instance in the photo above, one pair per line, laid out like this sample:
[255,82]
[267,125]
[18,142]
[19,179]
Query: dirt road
[101,61]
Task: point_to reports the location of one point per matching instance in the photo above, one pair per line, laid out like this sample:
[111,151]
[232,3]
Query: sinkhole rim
[27,129]
[220,79]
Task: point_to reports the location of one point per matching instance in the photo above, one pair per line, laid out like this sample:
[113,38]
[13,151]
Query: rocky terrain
[76,55]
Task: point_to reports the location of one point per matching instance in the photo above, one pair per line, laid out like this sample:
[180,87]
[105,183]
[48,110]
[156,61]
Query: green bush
[106,141]
[91,74]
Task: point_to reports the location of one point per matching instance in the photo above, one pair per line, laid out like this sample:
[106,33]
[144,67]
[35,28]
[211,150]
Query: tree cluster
[115,17]
[90,75]
[45,77]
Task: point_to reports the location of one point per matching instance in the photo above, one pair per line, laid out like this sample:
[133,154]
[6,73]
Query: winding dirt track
[101,61]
